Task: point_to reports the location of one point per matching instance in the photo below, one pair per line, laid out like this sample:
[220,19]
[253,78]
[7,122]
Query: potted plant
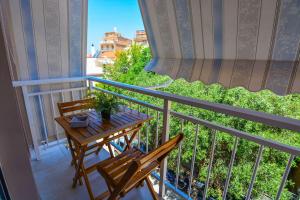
[105,104]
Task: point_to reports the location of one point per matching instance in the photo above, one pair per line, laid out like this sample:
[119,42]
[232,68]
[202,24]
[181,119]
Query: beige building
[111,43]
[141,38]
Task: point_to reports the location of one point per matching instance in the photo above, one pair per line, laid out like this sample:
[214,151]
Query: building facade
[141,38]
[111,43]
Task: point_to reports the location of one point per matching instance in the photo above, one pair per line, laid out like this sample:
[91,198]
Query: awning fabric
[248,43]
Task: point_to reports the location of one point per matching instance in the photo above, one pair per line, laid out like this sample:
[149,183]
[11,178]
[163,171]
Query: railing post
[54,115]
[33,130]
[43,119]
[90,85]
[164,138]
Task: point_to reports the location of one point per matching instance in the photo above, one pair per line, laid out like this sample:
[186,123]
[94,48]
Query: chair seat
[113,169]
[131,168]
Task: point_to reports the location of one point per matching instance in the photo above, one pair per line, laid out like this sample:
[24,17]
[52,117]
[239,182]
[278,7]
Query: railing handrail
[214,126]
[56,91]
[48,81]
[261,117]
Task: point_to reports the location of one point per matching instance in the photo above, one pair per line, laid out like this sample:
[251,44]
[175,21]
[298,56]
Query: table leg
[87,183]
[79,165]
[80,170]
[110,150]
[71,149]
[101,146]
[77,150]
[128,141]
[99,149]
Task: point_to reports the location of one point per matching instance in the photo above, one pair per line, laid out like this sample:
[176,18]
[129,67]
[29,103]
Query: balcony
[54,182]
[253,44]
[49,151]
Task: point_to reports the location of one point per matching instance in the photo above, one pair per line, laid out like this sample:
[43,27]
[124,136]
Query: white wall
[49,39]
[14,156]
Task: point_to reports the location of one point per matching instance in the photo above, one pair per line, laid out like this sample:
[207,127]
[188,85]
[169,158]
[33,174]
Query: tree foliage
[129,68]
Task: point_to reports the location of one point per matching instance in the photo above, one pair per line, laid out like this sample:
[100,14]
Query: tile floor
[53,175]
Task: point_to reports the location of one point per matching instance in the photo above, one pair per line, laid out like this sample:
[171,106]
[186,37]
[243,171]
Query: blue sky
[104,15]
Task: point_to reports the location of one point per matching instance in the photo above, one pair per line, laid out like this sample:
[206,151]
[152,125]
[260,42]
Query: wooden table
[124,123]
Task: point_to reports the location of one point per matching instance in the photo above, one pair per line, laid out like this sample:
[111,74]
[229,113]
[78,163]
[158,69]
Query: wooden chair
[131,168]
[71,106]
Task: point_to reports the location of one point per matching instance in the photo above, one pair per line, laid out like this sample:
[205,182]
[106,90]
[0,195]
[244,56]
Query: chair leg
[88,185]
[80,180]
[113,193]
[140,184]
[113,197]
[98,150]
[150,186]
[103,195]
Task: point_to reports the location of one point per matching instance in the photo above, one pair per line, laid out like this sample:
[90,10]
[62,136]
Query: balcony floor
[53,176]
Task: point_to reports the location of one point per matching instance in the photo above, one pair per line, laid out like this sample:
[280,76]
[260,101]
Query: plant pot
[105,115]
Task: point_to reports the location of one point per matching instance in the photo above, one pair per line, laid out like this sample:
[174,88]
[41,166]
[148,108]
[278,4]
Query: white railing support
[230,168]
[211,157]
[164,138]
[193,161]
[157,129]
[54,115]
[43,119]
[33,130]
[284,177]
[90,85]
[258,158]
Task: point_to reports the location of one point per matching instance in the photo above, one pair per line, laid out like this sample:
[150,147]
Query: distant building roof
[112,42]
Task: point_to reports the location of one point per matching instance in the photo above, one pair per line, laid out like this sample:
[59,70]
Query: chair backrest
[161,152]
[71,106]
[141,167]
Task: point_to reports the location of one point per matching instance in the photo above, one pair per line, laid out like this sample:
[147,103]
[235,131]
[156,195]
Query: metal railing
[29,105]
[166,112]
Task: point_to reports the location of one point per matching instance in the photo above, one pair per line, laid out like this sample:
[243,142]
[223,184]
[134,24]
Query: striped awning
[248,43]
